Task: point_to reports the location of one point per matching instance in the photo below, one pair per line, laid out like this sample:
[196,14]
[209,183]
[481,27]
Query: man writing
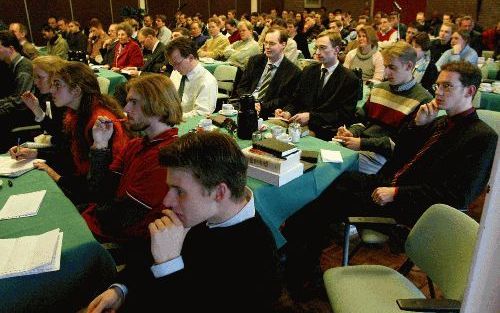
[211,248]
[443,159]
[197,87]
[327,92]
[155,60]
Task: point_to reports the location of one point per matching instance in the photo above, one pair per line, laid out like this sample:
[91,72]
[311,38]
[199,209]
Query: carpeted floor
[332,257]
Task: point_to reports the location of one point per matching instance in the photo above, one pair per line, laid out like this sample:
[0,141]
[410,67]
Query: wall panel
[83,11]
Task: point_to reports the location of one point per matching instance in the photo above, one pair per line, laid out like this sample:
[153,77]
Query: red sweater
[127,55]
[386,36]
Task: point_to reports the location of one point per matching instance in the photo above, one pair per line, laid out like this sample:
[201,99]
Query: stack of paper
[31,254]
[12,168]
[331,156]
[22,205]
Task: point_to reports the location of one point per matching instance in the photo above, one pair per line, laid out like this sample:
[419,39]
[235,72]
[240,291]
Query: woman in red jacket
[75,87]
[127,51]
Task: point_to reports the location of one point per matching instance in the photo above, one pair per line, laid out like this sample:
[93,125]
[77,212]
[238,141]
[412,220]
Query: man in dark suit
[444,159]
[270,77]
[326,96]
[154,61]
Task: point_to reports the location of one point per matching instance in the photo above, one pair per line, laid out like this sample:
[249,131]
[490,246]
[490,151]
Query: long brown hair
[77,74]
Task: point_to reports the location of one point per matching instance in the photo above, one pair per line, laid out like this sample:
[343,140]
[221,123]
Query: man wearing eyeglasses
[153,61]
[196,86]
[444,159]
[327,93]
[270,77]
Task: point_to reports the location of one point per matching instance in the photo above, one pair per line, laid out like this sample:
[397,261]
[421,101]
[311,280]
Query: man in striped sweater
[391,105]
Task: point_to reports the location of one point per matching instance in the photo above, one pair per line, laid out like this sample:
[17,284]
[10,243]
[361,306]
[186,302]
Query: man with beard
[129,189]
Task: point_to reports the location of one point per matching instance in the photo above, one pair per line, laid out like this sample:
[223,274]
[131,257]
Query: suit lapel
[331,84]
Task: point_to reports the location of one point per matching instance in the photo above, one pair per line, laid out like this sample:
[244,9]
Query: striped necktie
[266,82]
[440,130]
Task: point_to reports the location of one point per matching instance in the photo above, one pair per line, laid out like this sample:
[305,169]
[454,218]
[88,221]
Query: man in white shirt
[164,34]
[197,87]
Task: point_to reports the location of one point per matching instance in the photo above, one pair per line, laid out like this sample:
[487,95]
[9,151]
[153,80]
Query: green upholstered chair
[441,243]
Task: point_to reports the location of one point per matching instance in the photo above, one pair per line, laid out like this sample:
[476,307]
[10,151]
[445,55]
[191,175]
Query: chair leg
[345,255]
[431,287]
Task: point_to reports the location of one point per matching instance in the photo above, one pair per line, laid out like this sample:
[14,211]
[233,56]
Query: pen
[112,121]
[18,144]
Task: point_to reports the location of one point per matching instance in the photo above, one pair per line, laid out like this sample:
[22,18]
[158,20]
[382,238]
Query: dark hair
[47,28]
[279,22]
[147,31]
[464,34]
[162,17]
[422,39]
[77,74]
[186,46]
[211,157]
[470,75]
[183,30]
[95,22]
[8,39]
[231,22]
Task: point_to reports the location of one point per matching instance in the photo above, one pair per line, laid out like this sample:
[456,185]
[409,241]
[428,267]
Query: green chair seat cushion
[375,292]
[371,236]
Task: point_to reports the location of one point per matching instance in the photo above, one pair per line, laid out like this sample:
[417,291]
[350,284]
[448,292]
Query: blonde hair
[160,97]
[400,50]
[50,64]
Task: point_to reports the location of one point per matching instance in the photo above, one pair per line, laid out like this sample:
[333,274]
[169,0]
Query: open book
[13,168]
[31,254]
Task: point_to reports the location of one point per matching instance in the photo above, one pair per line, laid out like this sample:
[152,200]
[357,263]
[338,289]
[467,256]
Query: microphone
[396,5]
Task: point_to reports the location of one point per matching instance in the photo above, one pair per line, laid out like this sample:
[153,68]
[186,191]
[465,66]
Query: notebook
[13,168]
[22,205]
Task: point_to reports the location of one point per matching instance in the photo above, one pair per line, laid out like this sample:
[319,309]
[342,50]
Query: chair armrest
[358,220]
[429,305]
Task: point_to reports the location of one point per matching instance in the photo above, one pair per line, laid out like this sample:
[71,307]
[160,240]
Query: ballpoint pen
[117,120]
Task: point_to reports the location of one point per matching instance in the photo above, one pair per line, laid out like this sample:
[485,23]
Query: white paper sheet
[331,156]
[22,205]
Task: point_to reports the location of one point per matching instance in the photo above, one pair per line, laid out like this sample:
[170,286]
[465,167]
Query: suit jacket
[154,61]
[331,108]
[279,92]
[454,170]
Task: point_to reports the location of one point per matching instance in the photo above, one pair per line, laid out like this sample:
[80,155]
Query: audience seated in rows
[20,31]
[443,159]
[460,50]
[425,71]
[327,92]
[154,60]
[205,246]
[75,87]
[389,108]
[126,52]
[97,38]
[443,42]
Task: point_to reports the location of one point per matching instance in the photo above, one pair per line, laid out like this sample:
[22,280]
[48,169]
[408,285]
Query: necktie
[265,82]
[322,80]
[181,86]
[440,130]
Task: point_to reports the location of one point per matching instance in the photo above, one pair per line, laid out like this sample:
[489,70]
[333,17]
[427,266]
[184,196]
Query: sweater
[371,63]
[214,47]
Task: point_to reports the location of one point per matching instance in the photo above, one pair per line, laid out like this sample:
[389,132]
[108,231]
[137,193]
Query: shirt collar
[452,120]
[244,214]
[171,132]
[277,63]
[331,68]
[194,71]
[154,47]
[404,87]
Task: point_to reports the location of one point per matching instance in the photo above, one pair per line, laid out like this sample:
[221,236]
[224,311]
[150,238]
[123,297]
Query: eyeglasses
[270,43]
[176,63]
[447,87]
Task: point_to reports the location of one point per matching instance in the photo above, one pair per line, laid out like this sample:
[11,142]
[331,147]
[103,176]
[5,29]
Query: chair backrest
[103,84]
[492,118]
[225,75]
[442,244]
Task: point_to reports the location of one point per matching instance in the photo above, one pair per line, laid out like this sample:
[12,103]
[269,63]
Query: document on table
[22,205]
[331,156]
[31,254]
[13,168]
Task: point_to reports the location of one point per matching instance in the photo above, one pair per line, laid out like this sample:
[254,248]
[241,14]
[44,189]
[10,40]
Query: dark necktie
[322,80]
[440,130]
[265,82]
[181,86]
